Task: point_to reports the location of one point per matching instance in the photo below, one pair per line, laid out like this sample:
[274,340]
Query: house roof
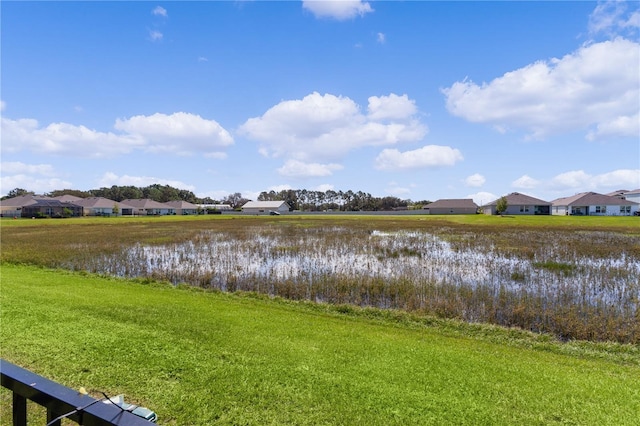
[95,202]
[263,204]
[21,201]
[145,203]
[633,192]
[179,204]
[592,199]
[452,203]
[518,199]
[67,198]
[50,202]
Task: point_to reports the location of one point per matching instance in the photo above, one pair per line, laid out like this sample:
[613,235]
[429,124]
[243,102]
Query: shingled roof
[592,199]
[518,199]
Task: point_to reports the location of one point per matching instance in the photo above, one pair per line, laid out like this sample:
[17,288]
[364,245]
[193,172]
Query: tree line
[297,199]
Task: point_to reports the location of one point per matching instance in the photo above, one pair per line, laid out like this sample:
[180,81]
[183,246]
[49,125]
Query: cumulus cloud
[299,169]
[392,107]
[180,133]
[3,105]
[525,182]
[337,9]
[109,179]
[475,180]
[326,127]
[64,139]
[40,178]
[427,156]
[381,38]
[582,181]
[596,87]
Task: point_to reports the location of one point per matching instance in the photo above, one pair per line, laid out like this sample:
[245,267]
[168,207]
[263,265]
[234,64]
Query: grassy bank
[201,358]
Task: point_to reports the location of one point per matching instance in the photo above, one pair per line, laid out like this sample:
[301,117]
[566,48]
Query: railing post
[52,415]
[19,410]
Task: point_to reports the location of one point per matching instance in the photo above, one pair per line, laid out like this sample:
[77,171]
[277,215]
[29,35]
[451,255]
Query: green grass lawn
[202,358]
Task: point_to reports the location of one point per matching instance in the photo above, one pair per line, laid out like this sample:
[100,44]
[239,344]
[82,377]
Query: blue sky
[419,100]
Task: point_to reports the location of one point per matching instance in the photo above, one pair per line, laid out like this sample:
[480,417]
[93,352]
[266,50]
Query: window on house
[625,209]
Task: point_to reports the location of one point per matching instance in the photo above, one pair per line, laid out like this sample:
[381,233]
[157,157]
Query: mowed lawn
[203,358]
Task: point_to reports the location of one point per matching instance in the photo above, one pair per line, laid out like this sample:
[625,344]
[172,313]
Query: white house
[265,207]
[593,204]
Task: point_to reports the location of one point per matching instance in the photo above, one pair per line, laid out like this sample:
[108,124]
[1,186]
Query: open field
[201,358]
[575,277]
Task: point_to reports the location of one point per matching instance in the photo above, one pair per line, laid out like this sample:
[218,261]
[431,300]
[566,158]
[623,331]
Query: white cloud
[622,125]
[427,156]
[202,59]
[155,35]
[159,11]
[39,178]
[3,105]
[392,107]
[17,167]
[327,127]
[110,179]
[482,198]
[579,180]
[398,191]
[596,86]
[613,18]
[475,180]
[295,168]
[64,139]
[381,38]
[525,182]
[181,133]
[337,9]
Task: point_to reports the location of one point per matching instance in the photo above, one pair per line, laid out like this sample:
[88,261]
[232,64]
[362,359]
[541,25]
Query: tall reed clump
[575,285]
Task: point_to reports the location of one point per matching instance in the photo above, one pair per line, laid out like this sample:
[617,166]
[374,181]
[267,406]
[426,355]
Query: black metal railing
[60,401]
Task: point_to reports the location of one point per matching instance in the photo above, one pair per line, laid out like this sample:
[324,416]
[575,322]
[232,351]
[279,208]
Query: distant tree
[501,205]
[235,200]
[17,192]
[74,192]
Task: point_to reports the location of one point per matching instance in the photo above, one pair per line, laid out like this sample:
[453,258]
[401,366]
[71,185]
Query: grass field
[202,358]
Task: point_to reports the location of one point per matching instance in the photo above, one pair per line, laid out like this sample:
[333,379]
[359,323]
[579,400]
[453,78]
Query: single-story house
[48,207]
[183,207]
[594,204]
[147,207]
[520,204]
[12,207]
[452,206]
[265,207]
[100,206]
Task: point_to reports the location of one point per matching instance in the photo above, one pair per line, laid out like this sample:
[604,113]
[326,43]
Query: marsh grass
[578,283]
[202,357]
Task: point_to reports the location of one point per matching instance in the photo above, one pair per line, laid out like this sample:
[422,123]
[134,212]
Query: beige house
[146,207]
[183,207]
